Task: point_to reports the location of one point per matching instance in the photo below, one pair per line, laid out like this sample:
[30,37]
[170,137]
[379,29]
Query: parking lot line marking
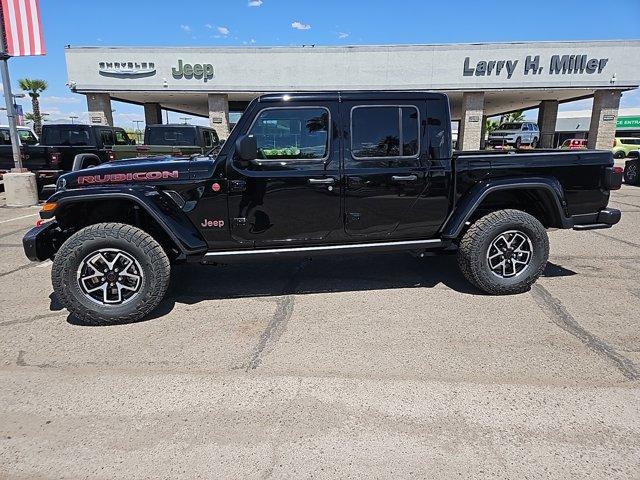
[18,218]
[46,263]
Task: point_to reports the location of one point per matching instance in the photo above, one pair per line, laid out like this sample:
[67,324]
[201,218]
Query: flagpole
[8,98]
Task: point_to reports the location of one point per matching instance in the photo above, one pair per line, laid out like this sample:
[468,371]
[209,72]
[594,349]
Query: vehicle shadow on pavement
[193,283]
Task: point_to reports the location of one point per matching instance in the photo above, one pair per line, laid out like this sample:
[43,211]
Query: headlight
[61,184]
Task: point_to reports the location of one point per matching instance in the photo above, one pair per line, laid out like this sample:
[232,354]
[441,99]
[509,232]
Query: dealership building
[481,80]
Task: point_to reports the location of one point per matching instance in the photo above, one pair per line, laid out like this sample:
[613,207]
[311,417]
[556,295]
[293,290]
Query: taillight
[614,142]
[619,170]
[55,159]
[142,150]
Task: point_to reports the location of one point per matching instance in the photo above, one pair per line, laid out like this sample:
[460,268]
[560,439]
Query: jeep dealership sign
[558,64]
[249,71]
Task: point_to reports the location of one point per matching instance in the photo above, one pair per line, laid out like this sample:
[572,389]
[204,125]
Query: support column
[470,131]
[604,116]
[152,114]
[219,114]
[99,107]
[483,132]
[547,117]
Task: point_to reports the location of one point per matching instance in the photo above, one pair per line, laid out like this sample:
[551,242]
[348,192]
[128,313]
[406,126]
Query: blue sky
[297,22]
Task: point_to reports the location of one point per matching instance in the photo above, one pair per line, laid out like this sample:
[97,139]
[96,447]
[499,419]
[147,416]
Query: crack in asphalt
[562,318]
[28,265]
[279,320]
[8,234]
[32,319]
[617,239]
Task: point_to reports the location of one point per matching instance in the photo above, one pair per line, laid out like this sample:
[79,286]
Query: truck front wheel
[110,273]
[504,252]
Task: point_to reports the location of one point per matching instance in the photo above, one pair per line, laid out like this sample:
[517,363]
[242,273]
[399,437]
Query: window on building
[292,133]
[378,132]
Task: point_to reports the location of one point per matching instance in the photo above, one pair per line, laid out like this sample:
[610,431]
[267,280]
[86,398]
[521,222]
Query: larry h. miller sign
[558,65]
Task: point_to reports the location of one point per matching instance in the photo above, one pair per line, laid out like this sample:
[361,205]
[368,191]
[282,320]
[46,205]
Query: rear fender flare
[468,204]
[175,224]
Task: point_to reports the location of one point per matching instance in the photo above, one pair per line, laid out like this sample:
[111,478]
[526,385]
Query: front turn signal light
[49,207]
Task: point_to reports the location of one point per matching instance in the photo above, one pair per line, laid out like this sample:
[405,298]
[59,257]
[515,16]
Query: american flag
[22,27]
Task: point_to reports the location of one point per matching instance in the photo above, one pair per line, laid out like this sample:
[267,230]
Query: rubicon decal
[212,223]
[128,177]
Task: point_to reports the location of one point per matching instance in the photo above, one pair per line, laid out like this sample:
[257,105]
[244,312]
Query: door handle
[404,178]
[322,181]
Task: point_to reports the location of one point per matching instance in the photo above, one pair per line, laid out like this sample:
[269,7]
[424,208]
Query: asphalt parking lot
[372,366]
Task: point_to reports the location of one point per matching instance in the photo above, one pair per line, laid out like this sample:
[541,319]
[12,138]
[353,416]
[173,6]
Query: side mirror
[247,148]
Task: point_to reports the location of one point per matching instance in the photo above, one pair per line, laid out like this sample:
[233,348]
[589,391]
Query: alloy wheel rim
[509,254]
[109,276]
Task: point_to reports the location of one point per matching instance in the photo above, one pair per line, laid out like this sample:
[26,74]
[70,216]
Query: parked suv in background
[516,134]
[622,146]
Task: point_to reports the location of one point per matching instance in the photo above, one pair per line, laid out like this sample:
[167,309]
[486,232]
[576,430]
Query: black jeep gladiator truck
[308,174]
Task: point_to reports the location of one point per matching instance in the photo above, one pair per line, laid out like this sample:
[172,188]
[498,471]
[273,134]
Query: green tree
[34,87]
[491,125]
[516,116]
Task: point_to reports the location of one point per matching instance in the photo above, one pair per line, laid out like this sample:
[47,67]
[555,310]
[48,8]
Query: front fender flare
[466,206]
[174,223]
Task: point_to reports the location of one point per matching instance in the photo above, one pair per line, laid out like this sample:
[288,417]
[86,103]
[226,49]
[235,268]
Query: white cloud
[342,35]
[185,28]
[252,41]
[223,31]
[208,25]
[53,100]
[300,26]
[255,3]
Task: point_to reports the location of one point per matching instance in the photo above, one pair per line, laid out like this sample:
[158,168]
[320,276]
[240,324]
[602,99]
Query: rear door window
[65,135]
[107,137]
[384,132]
[5,138]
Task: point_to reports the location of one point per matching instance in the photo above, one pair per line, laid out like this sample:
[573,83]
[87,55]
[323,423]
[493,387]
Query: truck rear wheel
[504,252]
[110,273]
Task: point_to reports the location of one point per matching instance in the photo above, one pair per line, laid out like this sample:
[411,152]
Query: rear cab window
[171,136]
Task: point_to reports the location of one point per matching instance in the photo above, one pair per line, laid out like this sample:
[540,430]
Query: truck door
[290,194]
[387,173]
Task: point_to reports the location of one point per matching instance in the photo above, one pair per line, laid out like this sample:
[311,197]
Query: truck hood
[136,171]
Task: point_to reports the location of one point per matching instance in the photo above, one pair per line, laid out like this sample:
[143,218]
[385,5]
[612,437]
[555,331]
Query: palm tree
[34,87]
[512,117]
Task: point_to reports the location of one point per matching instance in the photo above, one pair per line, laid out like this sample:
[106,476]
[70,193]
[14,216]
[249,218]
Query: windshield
[510,126]
[171,136]
[65,135]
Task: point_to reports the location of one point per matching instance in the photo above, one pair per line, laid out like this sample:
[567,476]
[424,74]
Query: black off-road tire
[475,243]
[518,143]
[534,142]
[620,154]
[153,261]
[631,173]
